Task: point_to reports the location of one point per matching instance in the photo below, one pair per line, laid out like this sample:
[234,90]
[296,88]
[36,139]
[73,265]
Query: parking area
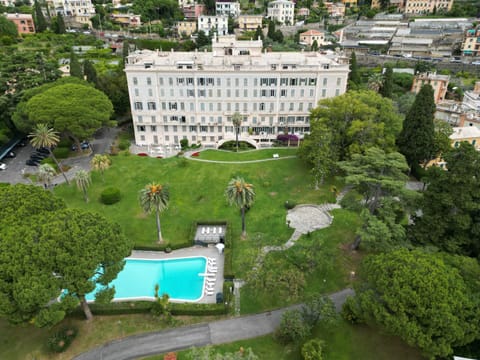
[16,168]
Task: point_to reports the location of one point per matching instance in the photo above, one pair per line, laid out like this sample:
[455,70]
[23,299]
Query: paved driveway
[217,332]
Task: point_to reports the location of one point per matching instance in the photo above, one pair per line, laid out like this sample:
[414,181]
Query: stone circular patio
[309,217]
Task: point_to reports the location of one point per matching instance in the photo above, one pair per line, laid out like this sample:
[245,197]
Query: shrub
[289,204]
[110,195]
[184,144]
[124,144]
[61,340]
[351,202]
[61,152]
[293,327]
[65,143]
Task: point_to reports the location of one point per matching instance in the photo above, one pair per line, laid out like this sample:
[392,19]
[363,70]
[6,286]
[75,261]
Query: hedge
[61,152]
[162,247]
[139,307]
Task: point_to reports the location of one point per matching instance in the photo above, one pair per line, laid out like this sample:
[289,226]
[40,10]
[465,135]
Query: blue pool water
[176,277]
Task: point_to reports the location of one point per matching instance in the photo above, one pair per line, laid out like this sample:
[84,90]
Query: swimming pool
[179,278]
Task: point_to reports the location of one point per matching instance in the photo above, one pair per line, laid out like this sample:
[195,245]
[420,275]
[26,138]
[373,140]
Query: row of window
[219,129]
[204,138]
[252,106]
[282,119]
[228,93]
[210,81]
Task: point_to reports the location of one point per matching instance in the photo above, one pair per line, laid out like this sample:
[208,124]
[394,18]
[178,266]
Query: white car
[476,62]
[3,166]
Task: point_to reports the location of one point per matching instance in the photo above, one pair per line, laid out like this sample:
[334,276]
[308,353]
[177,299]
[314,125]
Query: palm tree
[155,197]
[237,121]
[41,137]
[242,194]
[46,173]
[375,82]
[83,180]
[101,163]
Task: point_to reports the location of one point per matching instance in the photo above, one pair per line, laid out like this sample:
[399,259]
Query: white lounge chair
[210,293]
[214,230]
[212,267]
[212,260]
[210,288]
[219,230]
[203,230]
[211,281]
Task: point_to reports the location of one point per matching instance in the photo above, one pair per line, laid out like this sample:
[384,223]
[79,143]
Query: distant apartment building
[79,11]
[471,99]
[281,11]
[304,12]
[471,42]
[183,3]
[216,24]
[310,36]
[470,134]
[9,3]
[126,20]
[439,83]
[427,6]
[335,10]
[186,28]
[193,11]
[399,4]
[227,8]
[350,3]
[249,22]
[193,95]
[23,22]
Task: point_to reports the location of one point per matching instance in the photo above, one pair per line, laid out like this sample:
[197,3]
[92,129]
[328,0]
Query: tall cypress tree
[271,30]
[354,76]
[417,139]
[75,67]
[40,22]
[386,89]
[60,24]
[89,72]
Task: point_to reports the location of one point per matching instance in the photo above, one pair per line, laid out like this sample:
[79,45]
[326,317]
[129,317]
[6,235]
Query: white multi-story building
[282,11]
[193,95]
[217,24]
[227,8]
[79,11]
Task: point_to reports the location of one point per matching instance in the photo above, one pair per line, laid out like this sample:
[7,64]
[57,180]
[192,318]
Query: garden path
[213,333]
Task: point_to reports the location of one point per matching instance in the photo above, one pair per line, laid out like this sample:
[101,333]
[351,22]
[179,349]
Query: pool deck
[208,252]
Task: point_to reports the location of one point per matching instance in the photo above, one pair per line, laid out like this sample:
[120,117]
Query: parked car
[37,157]
[477,62]
[31,162]
[43,150]
[39,154]
[3,166]
[83,145]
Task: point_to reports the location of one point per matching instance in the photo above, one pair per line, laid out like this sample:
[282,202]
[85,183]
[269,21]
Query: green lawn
[196,190]
[196,193]
[344,342]
[246,155]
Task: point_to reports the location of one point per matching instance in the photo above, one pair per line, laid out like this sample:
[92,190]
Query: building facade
[193,95]
[249,22]
[193,11]
[79,11]
[23,22]
[471,42]
[310,36]
[126,20]
[427,6]
[227,8]
[217,24]
[186,28]
[439,83]
[281,11]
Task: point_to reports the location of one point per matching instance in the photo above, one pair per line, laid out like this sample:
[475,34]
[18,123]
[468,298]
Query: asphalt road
[199,335]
